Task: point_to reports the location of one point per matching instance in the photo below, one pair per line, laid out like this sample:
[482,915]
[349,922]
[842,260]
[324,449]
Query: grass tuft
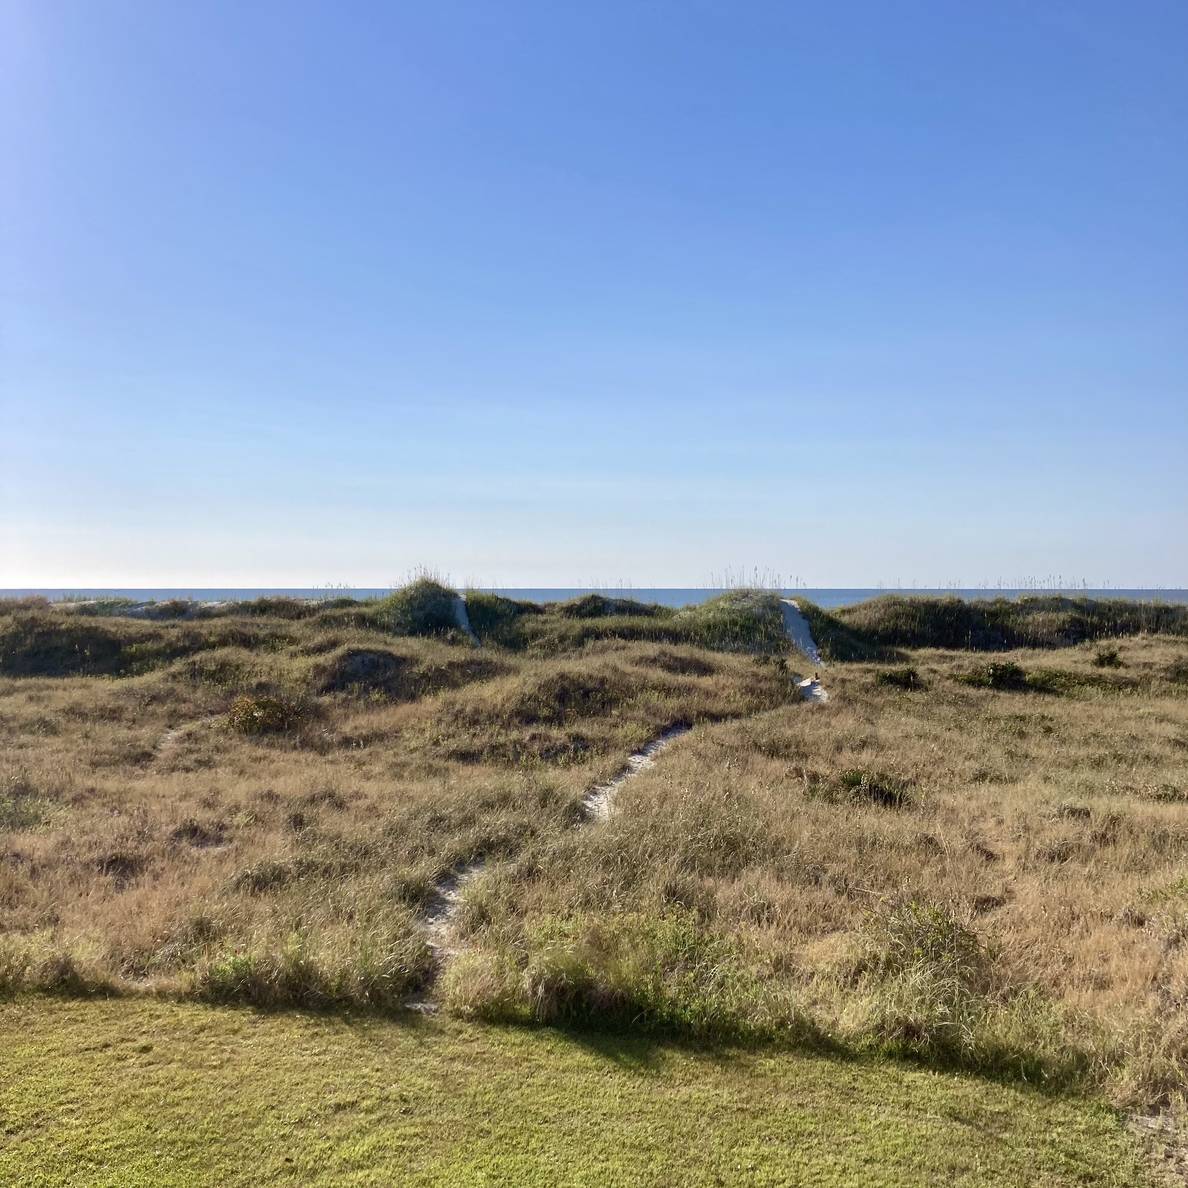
[266,714]
[423,607]
[905,677]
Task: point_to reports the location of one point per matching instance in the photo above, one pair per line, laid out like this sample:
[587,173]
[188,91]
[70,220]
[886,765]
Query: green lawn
[133,1092]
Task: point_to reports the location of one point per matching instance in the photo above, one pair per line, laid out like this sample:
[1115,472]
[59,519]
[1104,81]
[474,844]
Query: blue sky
[559,293]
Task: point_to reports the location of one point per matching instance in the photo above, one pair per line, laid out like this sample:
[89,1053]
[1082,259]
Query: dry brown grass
[1050,826]
[992,875]
[171,831]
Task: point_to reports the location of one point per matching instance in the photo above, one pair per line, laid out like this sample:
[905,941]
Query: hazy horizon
[539,293]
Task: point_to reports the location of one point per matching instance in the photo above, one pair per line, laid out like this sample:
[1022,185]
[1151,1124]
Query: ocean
[666,596]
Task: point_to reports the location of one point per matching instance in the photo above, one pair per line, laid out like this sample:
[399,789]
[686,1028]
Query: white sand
[446,899]
[797,628]
[463,620]
[597,802]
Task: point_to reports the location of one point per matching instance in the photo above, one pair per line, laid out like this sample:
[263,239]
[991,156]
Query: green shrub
[366,670]
[838,641]
[1047,621]
[424,607]
[278,607]
[94,607]
[598,606]
[875,787]
[1049,680]
[30,964]
[906,677]
[1003,674]
[33,602]
[495,619]
[172,608]
[561,697]
[740,621]
[47,644]
[1107,658]
[21,804]
[265,714]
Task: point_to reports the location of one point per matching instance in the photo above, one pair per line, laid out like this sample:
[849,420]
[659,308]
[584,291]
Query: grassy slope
[127,1093]
[867,629]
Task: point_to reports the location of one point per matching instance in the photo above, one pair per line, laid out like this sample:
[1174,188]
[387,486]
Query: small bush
[741,621]
[497,620]
[1168,793]
[598,606]
[21,804]
[365,670]
[264,876]
[934,978]
[199,834]
[423,607]
[34,602]
[27,964]
[682,665]
[265,714]
[123,867]
[45,644]
[278,607]
[873,787]
[1053,621]
[564,696]
[173,608]
[1002,674]
[906,677]
[1107,658]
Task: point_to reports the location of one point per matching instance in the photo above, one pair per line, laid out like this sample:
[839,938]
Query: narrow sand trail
[443,906]
[799,632]
[445,900]
[597,803]
[174,734]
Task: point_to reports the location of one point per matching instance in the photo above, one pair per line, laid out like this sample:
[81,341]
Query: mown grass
[139,1093]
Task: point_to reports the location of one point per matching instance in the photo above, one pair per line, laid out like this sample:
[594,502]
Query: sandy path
[171,736]
[445,900]
[597,802]
[443,906]
[797,628]
[463,620]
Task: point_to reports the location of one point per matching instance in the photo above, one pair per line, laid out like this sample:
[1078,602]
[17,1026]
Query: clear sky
[550,293]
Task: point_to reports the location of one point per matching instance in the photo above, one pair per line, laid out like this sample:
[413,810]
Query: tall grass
[963,872]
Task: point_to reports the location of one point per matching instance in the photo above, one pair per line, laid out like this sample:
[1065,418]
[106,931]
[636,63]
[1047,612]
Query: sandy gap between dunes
[463,620]
[798,631]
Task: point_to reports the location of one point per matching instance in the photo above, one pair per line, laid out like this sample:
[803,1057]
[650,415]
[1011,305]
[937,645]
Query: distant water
[666,596]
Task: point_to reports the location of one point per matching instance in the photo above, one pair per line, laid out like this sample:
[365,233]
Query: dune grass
[768,876]
[974,860]
[149,1093]
[868,629]
[258,808]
